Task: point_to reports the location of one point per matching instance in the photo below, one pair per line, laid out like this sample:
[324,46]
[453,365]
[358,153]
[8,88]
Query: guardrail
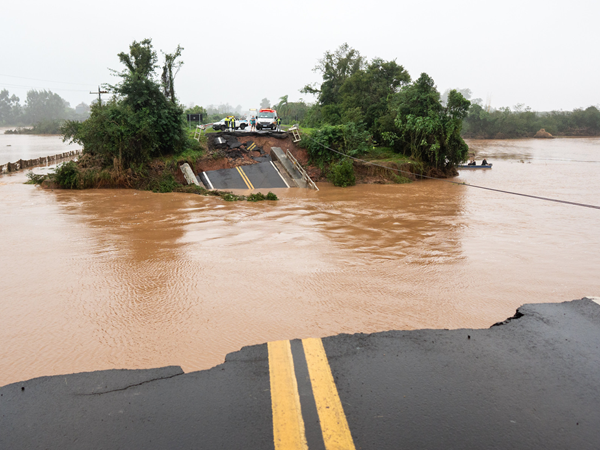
[300,169]
[25,163]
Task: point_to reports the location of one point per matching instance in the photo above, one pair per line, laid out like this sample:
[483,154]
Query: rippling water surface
[126,279]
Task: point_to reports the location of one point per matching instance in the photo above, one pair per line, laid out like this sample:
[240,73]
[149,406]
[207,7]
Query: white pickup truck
[240,124]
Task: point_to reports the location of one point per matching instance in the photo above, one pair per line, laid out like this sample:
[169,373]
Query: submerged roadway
[531,382]
[264,174]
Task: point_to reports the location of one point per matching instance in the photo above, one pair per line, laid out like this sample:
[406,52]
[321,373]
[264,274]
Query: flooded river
[17,146]
[125,279]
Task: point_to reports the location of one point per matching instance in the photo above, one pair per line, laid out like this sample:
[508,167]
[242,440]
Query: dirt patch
[222,156]
[388,174]
[543,134]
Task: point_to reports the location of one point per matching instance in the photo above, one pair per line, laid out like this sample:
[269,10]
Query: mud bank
[227,150]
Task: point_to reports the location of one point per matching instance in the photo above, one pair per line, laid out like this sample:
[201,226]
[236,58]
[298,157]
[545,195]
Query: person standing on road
[253,123]
[278,123]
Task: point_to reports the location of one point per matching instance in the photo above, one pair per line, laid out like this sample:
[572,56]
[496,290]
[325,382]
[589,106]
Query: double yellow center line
[288,424]
[245,178]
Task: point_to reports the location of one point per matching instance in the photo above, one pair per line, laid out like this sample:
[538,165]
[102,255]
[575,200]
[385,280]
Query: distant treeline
[40,107]
[43,127]
[522,122]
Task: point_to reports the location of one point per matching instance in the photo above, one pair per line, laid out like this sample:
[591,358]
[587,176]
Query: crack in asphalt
[517,316]
[133,385]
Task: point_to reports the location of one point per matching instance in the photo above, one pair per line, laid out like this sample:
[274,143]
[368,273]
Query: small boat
[466,166]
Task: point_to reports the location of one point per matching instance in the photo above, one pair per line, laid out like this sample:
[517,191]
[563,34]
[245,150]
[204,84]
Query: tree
[335,68]
[168,77]
[466,93]
[196,109]
[10,110]
[364,95]
[265,103]
[427,131]
[282,101]
[140,122]
[44,106]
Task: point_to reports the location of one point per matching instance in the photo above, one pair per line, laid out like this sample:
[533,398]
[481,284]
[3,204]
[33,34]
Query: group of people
[474,163]
[230,123]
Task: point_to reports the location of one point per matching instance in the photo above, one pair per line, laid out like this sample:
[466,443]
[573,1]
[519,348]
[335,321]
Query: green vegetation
[291,112]
[36,179]
[258,197]
[363,105]
[522,122]
[141,122]
[67,176]
[341,173]
[348,139]
[41,108]
[426,130]
[43,127]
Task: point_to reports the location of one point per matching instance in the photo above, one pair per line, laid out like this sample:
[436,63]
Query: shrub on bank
[143,121]
[341,173]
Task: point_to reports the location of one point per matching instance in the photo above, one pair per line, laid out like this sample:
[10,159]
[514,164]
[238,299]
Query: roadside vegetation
[373,111]
[138,139]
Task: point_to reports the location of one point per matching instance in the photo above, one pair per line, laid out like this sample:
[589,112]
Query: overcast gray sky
[540,53]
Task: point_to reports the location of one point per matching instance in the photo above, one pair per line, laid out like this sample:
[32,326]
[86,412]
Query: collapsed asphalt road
[532,382]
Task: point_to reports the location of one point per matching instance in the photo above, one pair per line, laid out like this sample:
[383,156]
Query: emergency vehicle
[267,118]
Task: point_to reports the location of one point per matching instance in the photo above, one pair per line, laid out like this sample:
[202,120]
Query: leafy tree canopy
[143,120]
[427,130]
[365,94]
[335,68]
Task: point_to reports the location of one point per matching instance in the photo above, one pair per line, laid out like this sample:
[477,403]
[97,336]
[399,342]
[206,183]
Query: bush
[349,139]
[342,173]
[140,122]
[258,197]
[271,196]
[166,183]
[399,179]
[35,178]
[229,197]
[66,175]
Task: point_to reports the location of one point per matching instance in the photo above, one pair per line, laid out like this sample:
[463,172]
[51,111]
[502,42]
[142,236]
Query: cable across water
[585,205]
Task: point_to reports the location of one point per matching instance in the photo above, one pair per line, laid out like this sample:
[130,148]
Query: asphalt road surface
[532,382]
[255,176]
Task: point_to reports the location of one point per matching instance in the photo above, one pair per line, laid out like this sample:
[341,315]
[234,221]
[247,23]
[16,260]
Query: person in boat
[472,162]
[484,162]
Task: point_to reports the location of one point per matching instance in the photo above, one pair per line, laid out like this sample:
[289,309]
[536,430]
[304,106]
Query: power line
[44,88]
[462,184]
[562,159]
[39,79]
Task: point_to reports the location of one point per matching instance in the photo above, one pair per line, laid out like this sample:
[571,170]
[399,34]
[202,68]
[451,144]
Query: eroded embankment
[227,150]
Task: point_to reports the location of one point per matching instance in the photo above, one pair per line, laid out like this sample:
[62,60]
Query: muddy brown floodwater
[125,279]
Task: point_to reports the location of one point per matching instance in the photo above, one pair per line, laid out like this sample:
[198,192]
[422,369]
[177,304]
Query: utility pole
[99,95]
